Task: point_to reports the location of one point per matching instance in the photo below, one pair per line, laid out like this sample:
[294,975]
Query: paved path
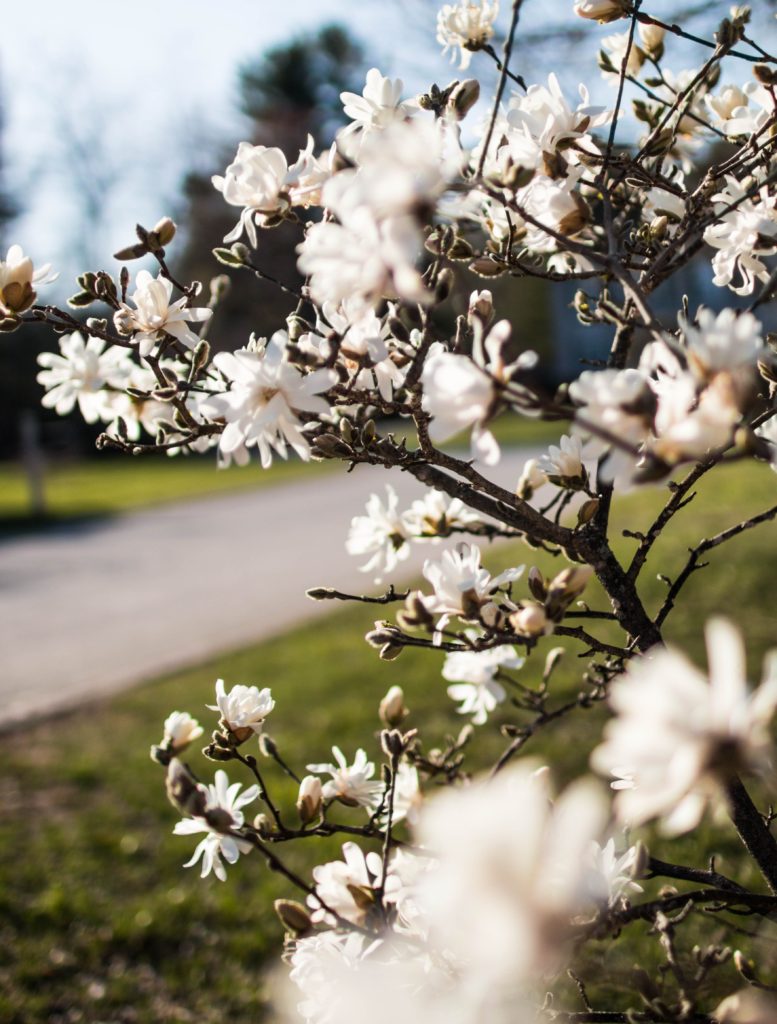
[88,610]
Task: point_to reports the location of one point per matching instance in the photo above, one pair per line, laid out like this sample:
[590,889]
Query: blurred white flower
[742,235]
[616,47]
[531,479]
[474,675]
[563,463]
[382,534]
[223,813]
[82,373]
[512,870]
[458,395]
[260,408]
[683,738]
[243,709]
[721,342]
[155,316]
[352,784]
[408,797]
[545,117]
[611,876]
[180,729]
[601,10]
[768,431]
[747,1007]
[466,25]
[18,279]
[436,515]
[617,404]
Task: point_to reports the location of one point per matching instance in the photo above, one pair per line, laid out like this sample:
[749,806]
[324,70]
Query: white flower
[618,404]
[683,738]
[616,47]
[17,278]
[379,105]
[336,881]
[392,708]
[512,869]
[468,25]
[531,479]
[260,406]
[382,534]
[309,799]
[601,10]
[350,784]
[747,1007]
[611,876]
[563,463]
[180,729]
[474,673]
[81,374]
[723,342]
[154,316]
[321,966]
[407,795]
[260,180]
[437,515]
[741,236]
[243,709]
[461,585]
[733,113]
[768,431]
[458,395]
[224,807]
[545,117]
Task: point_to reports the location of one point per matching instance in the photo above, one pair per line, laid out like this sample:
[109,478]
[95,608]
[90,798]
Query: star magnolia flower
[243,709]
[260,180]
[80,374]
[180,729]
[512,869]
[733,113]
[154,316]
[545,117]
[721,342]
[615,47]
[379,105]
[227,804]
[17,277]
[260,406]
[611,876]
[683,738]
[474,673]
[350,784]
[337,882]
[462,586]
[563,464]
[382,534]
[601,10]
[741,236]
[436,515]
[467,25]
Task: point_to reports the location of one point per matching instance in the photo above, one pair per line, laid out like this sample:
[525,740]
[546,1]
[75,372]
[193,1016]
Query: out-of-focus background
[117,571]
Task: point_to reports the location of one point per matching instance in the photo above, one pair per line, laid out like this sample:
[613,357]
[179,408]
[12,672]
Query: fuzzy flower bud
[310,799]
[392,708]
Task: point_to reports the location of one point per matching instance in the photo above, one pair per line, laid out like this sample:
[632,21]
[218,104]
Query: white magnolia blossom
[81,374]
[750,1006]
[615,48]
[719,342]
[351,784]
[611,875]
[382,534]
[531,479]
[260,180]
[244,708]
[601,10]
[466,25]
[742,236]
[474,673]
[408,798]
[227,802]
[379,105]
[436,515]
[154,316]
[512,869]
[563,463]
[180,729]
[260,408]
[18,281]
[682,738]
[740,111]
[336,882]
[462,586]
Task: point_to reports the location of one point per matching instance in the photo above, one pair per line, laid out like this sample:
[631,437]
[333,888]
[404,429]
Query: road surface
[88,610]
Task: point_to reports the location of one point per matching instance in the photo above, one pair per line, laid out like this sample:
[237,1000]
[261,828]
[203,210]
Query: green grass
[99,920]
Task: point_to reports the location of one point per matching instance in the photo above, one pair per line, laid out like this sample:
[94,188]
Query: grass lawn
[98,919]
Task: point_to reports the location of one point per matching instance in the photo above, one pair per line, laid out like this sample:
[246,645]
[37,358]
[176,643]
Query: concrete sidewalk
[88,610]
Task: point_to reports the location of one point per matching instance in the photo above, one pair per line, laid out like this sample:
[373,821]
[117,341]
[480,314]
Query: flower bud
[530,620]
[309,800]
[164,230]
[392,708]
[294,917]
[183,790]
[481,306]
[463,98]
